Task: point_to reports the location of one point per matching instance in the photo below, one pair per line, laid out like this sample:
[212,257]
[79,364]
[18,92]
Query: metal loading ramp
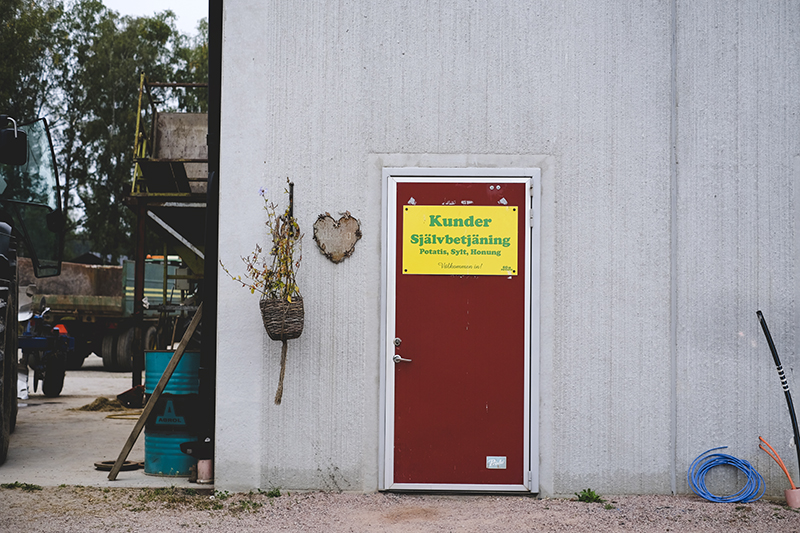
[169,189]
[171,171]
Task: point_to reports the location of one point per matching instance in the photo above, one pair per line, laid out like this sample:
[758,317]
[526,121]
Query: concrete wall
[738,133]
[654,260]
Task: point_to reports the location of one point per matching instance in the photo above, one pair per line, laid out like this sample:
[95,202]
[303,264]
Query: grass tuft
[27,487]
[589,496]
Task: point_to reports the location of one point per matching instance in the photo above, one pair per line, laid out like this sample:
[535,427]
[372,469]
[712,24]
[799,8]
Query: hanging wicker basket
[283,320]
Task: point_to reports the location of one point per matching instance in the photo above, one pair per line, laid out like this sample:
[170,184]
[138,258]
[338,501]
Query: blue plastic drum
[184,379]
[171,418]
[163,455]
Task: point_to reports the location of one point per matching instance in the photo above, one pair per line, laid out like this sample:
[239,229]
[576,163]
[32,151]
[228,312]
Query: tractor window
[30,197]
[37,180]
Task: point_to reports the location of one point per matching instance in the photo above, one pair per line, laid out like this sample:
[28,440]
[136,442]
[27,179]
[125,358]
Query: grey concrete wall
[738,131]
[643,366]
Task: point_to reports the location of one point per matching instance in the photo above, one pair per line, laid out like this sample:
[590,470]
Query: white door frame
[390,177]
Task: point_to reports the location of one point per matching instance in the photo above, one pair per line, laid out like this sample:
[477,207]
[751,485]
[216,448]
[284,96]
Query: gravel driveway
[88,509]
[49,484]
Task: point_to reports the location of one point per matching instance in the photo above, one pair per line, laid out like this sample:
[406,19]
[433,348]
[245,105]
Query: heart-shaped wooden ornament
[337,238]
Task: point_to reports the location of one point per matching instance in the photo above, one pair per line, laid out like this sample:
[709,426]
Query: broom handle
[784,384]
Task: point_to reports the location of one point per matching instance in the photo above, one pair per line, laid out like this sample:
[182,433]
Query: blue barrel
[175,412]
[169,424]
[184,379]
[163,455]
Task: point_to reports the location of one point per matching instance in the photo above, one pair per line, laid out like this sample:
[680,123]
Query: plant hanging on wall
[274,276]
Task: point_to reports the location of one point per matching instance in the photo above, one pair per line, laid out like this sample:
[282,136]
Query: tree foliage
[104,92]
[191,59]
[27,38]
[80,65]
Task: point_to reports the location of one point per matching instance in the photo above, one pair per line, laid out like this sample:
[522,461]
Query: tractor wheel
[150,341]
[8,352]
[82,350]
[124,353]
[10,343]
[54,373]
[109,352]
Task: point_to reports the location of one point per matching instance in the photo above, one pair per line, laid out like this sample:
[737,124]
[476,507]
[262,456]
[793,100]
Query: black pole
[208,346]
[138,294]
[784,383]
[291,200]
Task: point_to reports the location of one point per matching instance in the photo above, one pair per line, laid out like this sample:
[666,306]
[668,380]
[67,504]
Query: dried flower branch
[274,274]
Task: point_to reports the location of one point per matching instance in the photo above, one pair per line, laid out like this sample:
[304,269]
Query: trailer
[95,305]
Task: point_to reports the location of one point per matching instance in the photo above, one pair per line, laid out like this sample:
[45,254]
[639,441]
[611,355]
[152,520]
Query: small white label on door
[497,463]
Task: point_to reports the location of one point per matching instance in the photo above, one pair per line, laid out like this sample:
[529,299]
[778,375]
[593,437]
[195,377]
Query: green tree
[79,63]
[27,39]
[104,55]
[76,32]
[191,62]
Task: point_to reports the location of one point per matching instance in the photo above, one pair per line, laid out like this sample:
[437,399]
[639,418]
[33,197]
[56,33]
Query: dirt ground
[50,484]
[29,509]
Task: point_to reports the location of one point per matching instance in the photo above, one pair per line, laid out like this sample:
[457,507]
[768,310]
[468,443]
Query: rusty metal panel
[181,136]
[75,278]
[70,303]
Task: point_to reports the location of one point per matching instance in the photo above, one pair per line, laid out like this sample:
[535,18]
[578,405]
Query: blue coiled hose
[696,476]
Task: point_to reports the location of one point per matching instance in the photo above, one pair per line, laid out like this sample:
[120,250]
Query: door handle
[397,359]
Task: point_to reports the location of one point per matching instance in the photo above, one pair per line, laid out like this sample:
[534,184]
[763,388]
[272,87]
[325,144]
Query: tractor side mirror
[55,221]
[13,143]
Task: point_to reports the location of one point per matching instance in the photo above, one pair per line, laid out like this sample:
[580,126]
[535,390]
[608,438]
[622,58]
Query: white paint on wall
[330,93]
[738,132]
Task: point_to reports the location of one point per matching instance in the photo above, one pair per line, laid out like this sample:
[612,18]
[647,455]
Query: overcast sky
[188,12]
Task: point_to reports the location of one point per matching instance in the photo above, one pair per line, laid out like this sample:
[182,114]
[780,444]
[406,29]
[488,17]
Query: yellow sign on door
[453,239]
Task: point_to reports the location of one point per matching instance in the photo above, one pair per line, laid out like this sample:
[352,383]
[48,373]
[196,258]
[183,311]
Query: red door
[460,383]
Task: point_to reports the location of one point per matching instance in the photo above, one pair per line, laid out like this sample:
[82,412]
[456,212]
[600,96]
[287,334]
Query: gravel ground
[55,443]
[65,509]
